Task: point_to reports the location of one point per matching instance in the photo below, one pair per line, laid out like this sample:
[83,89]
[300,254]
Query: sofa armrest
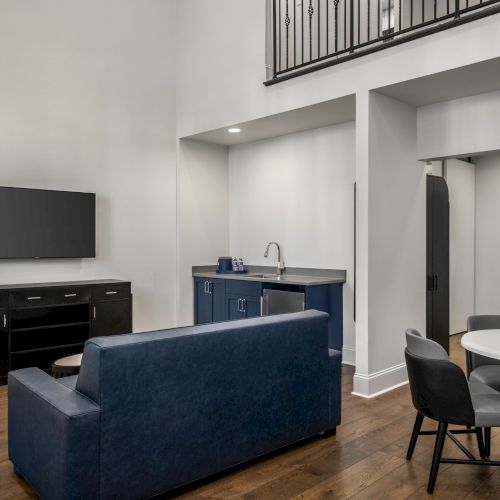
[335,385]
[53,436]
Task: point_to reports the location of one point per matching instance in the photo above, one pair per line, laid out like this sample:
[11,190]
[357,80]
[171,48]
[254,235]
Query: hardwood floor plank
[353,479]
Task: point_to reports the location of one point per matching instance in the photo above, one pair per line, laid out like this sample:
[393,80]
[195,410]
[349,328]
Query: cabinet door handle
[111,293]
[205,286]
[210,287]
[244,305]
[94,312]
[34,298]
[4,320]
[239,305]
[67,295]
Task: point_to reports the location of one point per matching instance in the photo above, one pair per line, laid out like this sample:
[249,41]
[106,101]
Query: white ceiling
[318,115]
[466,81]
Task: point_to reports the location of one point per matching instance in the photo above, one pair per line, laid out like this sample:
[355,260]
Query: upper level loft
[308,35]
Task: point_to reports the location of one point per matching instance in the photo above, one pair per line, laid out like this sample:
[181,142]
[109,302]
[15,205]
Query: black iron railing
[313,34]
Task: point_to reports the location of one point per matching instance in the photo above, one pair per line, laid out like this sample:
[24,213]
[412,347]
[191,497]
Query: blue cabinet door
[251,307]
[210,304]
[218,291]
[203,302]
[233,304]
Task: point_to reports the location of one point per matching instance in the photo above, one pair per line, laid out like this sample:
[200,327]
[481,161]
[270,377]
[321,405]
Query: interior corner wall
[297,189]
[202,215]
[392,210]
[487,234]
[459,127]
[461,180]
[87,100]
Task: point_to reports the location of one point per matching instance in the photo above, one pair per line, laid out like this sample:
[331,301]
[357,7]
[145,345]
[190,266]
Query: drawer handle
[67,295]
[4,320]
[111,293]
[34,298]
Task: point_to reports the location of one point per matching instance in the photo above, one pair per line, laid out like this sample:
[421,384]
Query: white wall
[87,102]
[297,190]
[459,127]
[461,180]
[488,234]
[203,218]
[391,241]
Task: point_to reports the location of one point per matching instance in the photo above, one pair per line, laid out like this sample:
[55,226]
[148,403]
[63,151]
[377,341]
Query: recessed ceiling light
[234,130]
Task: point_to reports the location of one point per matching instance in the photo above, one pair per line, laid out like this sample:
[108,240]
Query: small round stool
[65,367]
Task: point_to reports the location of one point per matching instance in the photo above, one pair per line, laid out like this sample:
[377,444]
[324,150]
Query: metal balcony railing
[308,35]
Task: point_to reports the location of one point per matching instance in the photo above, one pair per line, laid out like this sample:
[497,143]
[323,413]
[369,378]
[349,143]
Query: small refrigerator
[281,301]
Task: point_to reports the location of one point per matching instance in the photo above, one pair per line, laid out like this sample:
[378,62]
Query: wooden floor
[365,460]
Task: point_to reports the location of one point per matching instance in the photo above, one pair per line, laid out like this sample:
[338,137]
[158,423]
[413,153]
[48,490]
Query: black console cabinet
[42,322]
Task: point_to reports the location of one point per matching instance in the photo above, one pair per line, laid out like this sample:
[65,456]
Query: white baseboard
[375,384]
[348,356]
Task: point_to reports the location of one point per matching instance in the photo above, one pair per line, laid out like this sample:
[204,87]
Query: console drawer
[244,288]
[110,292]
[4,299]
[32,297]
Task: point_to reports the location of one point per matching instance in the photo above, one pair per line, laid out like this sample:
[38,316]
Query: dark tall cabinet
[438,261]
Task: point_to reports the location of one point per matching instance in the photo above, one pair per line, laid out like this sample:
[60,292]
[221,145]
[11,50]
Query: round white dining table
[483,342]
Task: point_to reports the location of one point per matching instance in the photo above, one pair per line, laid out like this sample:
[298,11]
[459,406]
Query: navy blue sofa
[154,411]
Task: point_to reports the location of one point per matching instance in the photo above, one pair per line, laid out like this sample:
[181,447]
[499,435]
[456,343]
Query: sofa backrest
[207,395]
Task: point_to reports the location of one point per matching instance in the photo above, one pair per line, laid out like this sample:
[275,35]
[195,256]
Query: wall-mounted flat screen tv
[37,224]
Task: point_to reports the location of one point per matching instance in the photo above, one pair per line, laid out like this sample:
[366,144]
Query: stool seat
[67,366]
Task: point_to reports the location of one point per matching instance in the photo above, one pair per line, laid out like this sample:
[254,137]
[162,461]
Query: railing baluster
[275,69]
[345,24]
[423,10]
[287,26]
[279,33]
[435,9]
[359,21]
[457,9]
[294,33]
[411,13]
[399,24]
[369,20]
[319,29]
[327,25]
[351,25]
[310,12]
[378,18]
[336,4]
[303,31]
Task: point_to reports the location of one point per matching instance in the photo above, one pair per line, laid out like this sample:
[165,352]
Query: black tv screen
[39,224]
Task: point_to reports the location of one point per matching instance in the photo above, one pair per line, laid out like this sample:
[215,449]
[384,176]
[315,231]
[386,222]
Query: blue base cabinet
[209,301]
[222,300]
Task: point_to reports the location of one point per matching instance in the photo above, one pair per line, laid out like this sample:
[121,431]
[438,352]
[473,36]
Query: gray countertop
[267,274]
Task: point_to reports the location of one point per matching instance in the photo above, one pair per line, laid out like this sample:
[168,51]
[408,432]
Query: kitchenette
[229,291]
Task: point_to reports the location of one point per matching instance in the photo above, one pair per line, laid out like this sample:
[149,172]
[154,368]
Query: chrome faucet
[281,265]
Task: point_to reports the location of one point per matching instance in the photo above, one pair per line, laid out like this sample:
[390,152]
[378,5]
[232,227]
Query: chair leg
[436,459]
[414,435]
[487,441]
[480,442]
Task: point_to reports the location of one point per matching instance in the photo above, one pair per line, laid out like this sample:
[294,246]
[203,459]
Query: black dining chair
[481,368]
[440,391]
